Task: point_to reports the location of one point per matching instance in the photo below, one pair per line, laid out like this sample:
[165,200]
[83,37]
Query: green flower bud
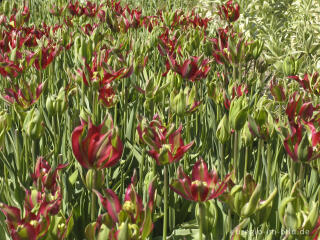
[290,66]
[246,135]
[238,113]
[250,207]
[33,124]
[61,102]
[303,148]
[5,125]
[223,130]
[50,105]
[312,216]
[178,102]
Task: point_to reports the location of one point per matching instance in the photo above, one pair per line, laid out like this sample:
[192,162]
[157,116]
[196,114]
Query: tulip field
[155,120]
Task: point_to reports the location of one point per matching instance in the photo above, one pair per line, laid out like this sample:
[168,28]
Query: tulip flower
[309,83]
[9,68]
[40,205]
[192,69]
[229,11]
[46,175]
[24,97]
[167,146]
[46,56]
[202,186]
[138,217]
[95,148]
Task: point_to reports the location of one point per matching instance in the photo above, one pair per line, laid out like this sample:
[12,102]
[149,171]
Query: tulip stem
[236,154]
[165,193]
[202,213]
[246,162]
[93,197]
[301,175]
[141,169]
[221,151]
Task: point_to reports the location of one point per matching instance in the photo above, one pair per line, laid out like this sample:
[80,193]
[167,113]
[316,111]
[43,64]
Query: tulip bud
[163,156]
[61,102]
[255,49]
[5,125]
[238,113]
[303,148]
[290,66]
[50,105]
[223,130]
[246,135]
[178,102]
[33,124]
[99,179]
[250,207]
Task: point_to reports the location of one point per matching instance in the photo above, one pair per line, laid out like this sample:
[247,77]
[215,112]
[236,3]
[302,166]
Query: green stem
[141,169]
[93,197]
[291,172]
[301,175]
[165,192]
[246,162]
[229,221]
[257,168]
[221,151]
[202,212]
[236,154]
[269,162]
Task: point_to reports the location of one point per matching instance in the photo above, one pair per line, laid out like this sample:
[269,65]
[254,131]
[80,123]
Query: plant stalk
[165,198]
[93,197]
[202,212]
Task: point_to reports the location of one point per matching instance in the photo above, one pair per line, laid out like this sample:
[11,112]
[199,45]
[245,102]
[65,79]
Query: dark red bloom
[46,56]
[167,146]
[192,69]
[24,97]
[229,11]
[46,175]
[94,147]
[132,210]
[202,186]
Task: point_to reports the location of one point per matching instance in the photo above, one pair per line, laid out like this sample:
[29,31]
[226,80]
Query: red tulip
[24,97]
[132,210]
[46,174]
[166,146]
[95,148]
[229,11]
[192,69]
[202,186]
[39,205]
